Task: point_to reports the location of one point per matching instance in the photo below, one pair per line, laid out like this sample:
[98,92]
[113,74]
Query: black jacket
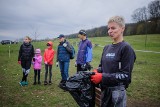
[26,52]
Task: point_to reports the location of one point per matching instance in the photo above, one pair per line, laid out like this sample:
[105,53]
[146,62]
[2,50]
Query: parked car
[3,42]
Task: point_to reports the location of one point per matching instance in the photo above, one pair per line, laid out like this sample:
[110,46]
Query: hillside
[149,27]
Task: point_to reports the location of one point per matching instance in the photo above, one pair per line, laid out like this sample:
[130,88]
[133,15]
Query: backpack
[72,55]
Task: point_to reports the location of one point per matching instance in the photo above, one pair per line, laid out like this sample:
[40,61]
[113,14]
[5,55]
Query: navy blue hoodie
[84,52]
[117,63]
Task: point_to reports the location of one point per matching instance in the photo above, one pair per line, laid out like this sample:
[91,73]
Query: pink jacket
[38,62]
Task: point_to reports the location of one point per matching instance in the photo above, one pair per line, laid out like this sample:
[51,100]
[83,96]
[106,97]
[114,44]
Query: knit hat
[37,51]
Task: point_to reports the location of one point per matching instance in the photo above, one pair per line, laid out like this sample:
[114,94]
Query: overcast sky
[49,18]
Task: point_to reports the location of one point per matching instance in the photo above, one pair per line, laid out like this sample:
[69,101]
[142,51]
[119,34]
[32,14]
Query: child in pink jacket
[37,63]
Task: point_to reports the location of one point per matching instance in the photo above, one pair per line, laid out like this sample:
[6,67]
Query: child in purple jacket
[37,63]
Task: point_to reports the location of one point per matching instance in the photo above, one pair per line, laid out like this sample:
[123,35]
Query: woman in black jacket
[26,53]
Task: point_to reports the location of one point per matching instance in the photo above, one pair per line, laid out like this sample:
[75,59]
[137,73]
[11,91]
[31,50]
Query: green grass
[143,91]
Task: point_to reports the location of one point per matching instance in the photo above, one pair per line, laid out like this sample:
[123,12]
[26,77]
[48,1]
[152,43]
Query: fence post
[9,52]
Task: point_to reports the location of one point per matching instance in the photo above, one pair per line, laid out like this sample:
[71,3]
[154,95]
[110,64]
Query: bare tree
[140,14]
[36,35]
[154,9]
[34,32]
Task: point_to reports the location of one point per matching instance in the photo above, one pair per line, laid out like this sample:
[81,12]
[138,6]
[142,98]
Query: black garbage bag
[82,89]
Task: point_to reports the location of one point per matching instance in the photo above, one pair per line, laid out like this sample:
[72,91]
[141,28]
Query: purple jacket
[37,64]
[84,52]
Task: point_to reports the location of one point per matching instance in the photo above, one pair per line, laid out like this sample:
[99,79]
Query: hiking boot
[62,86]
[50,82]
[34,83]
[45,82]
[39,82]
[62,82]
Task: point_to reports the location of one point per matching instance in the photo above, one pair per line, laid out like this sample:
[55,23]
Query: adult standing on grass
[84,56]
[48,61]
[116,64]
[63,58]
[26,53]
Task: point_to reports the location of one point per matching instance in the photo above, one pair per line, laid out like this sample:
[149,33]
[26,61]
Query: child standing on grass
[48,60]
[26,53]
[37,63]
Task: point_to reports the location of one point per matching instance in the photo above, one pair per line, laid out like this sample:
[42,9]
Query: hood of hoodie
[51,43]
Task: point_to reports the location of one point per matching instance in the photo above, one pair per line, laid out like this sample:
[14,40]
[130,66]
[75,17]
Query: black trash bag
[82,89]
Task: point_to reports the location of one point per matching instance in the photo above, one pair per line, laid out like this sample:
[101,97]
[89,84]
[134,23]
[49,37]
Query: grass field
[144,90]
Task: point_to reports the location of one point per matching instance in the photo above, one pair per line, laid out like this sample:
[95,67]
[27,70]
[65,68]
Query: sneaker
[34,83]
[22,83]
[26,83]
[50,82]
[39,82]
[45,82]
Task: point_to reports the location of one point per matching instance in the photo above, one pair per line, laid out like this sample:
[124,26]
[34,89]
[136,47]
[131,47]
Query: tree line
[146,21]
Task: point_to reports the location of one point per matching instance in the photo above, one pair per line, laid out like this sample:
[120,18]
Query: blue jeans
[64,66]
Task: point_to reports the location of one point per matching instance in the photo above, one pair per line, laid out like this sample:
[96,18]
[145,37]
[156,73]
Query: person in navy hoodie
[116,66]
[84,56]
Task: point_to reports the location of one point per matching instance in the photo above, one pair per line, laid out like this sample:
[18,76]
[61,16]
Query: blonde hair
[30,39]
[117,19]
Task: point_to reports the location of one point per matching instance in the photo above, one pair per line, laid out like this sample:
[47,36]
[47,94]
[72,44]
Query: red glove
[97,78]
[19,62]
